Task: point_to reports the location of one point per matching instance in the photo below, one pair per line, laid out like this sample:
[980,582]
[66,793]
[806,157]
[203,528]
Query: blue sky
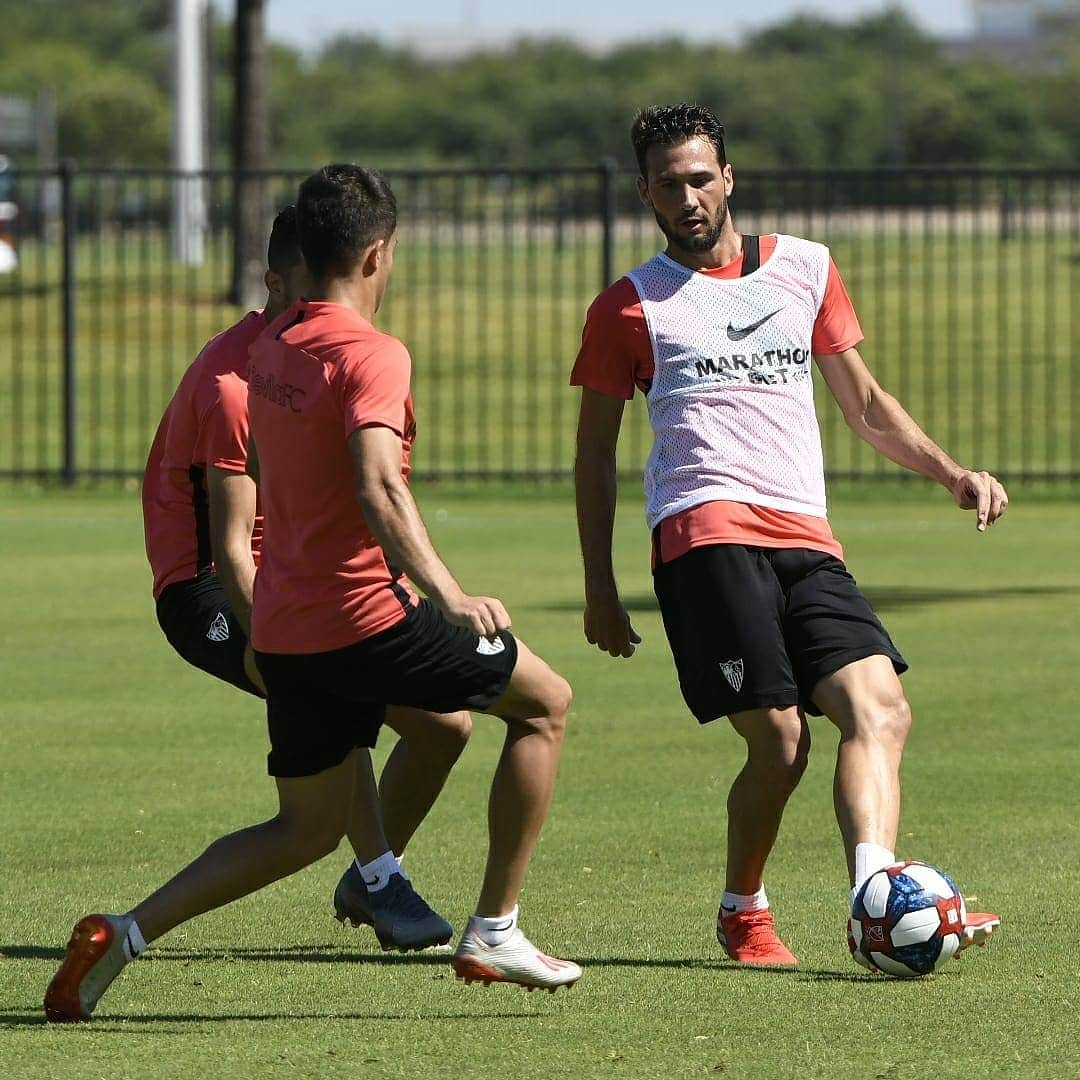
[598,22]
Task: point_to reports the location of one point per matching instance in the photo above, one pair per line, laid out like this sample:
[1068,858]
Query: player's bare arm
[606,622]
[393,516]
[879,419]
[231,497]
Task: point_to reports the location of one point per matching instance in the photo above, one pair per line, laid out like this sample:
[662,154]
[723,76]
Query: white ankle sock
[731,902]
[494,931]
[869,859]
[376,874]
[134,942]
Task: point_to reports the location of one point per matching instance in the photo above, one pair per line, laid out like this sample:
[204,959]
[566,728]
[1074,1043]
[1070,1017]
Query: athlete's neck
[272,310]
[355,292]
[727,248]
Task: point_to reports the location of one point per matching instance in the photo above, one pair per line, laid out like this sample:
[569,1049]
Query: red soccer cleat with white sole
[750,937]
[979,926]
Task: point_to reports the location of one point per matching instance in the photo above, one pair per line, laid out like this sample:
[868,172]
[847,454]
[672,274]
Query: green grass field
[120,763]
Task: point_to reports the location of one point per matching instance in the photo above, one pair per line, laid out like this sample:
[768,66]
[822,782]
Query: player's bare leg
[309,824]
[414,774]
[374,890]
[777,747]
[865,701]
[493,948]
[416,770]
[534,708]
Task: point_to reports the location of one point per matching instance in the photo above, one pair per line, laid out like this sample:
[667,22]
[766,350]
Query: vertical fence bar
[68,226]
[609,175]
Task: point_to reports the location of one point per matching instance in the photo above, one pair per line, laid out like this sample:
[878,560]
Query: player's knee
[560,697]
[895,719]
[886,719]
[780,748]
[310,837]
[550,707]
[450,737]
[791,759]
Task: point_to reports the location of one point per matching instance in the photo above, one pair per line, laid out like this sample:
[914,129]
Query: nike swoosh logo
[738,335]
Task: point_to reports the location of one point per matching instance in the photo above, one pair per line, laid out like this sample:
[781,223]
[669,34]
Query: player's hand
[983,493]
[483,615]
[607,626]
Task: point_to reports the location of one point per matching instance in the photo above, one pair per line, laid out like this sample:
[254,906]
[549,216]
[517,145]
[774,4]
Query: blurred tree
[808,91]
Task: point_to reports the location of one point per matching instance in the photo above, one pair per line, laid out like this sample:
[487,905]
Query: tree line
[805,92]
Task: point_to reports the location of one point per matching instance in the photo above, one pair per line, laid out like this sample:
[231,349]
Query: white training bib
[732,398]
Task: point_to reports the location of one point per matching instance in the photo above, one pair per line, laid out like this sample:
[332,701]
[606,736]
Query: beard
[704,241]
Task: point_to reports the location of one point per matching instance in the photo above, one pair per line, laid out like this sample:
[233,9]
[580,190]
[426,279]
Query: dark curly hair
[341,210]
[669,125]
[283,250]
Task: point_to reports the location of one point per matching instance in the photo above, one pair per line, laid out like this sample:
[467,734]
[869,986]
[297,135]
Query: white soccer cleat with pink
[516,960]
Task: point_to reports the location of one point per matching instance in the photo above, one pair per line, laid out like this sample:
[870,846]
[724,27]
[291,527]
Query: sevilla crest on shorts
[733,672]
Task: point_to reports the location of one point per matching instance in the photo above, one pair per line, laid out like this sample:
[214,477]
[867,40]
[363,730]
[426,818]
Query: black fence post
[609,173]
[68,223]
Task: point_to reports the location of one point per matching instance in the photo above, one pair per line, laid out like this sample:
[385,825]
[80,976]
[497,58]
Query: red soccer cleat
[978,927]
[750,938]
[95,956]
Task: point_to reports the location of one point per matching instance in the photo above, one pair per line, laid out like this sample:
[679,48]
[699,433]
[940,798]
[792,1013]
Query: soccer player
[337,630]
[764,621]
[203,537]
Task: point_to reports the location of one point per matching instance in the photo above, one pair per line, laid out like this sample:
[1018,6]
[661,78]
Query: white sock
[731,902]
[869,859]
[134,942]
[376,874]
[494,931]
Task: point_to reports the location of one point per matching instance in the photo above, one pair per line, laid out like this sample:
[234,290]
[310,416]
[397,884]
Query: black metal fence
[965,282]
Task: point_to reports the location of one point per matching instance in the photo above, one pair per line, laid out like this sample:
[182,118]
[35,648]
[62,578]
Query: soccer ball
[906,920]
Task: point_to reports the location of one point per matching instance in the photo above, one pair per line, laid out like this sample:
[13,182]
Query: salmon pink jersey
[616,356]
[318,374]
[205,424]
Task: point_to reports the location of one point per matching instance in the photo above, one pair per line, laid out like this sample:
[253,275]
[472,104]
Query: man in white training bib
[764,621]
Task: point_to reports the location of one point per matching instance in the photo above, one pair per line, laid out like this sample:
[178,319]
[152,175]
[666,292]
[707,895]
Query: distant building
[1023,18]
[1026,33]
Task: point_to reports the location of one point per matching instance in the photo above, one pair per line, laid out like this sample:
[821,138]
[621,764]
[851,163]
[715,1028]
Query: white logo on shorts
[490,646]
[219,629]
[733,672]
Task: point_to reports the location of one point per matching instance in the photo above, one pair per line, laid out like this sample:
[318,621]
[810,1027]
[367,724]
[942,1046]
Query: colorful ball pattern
[906,920]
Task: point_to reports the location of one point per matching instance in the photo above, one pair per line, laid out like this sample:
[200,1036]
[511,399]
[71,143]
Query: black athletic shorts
[753,628]
[321,705]
[200,625]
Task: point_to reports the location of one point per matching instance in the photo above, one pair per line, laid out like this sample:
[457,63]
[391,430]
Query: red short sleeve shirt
[318,374]
[616,358]
[204,425]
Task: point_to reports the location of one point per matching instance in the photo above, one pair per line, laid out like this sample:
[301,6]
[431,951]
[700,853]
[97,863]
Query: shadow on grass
[24,1017]
[882,597]
[297,954]
[331,954]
